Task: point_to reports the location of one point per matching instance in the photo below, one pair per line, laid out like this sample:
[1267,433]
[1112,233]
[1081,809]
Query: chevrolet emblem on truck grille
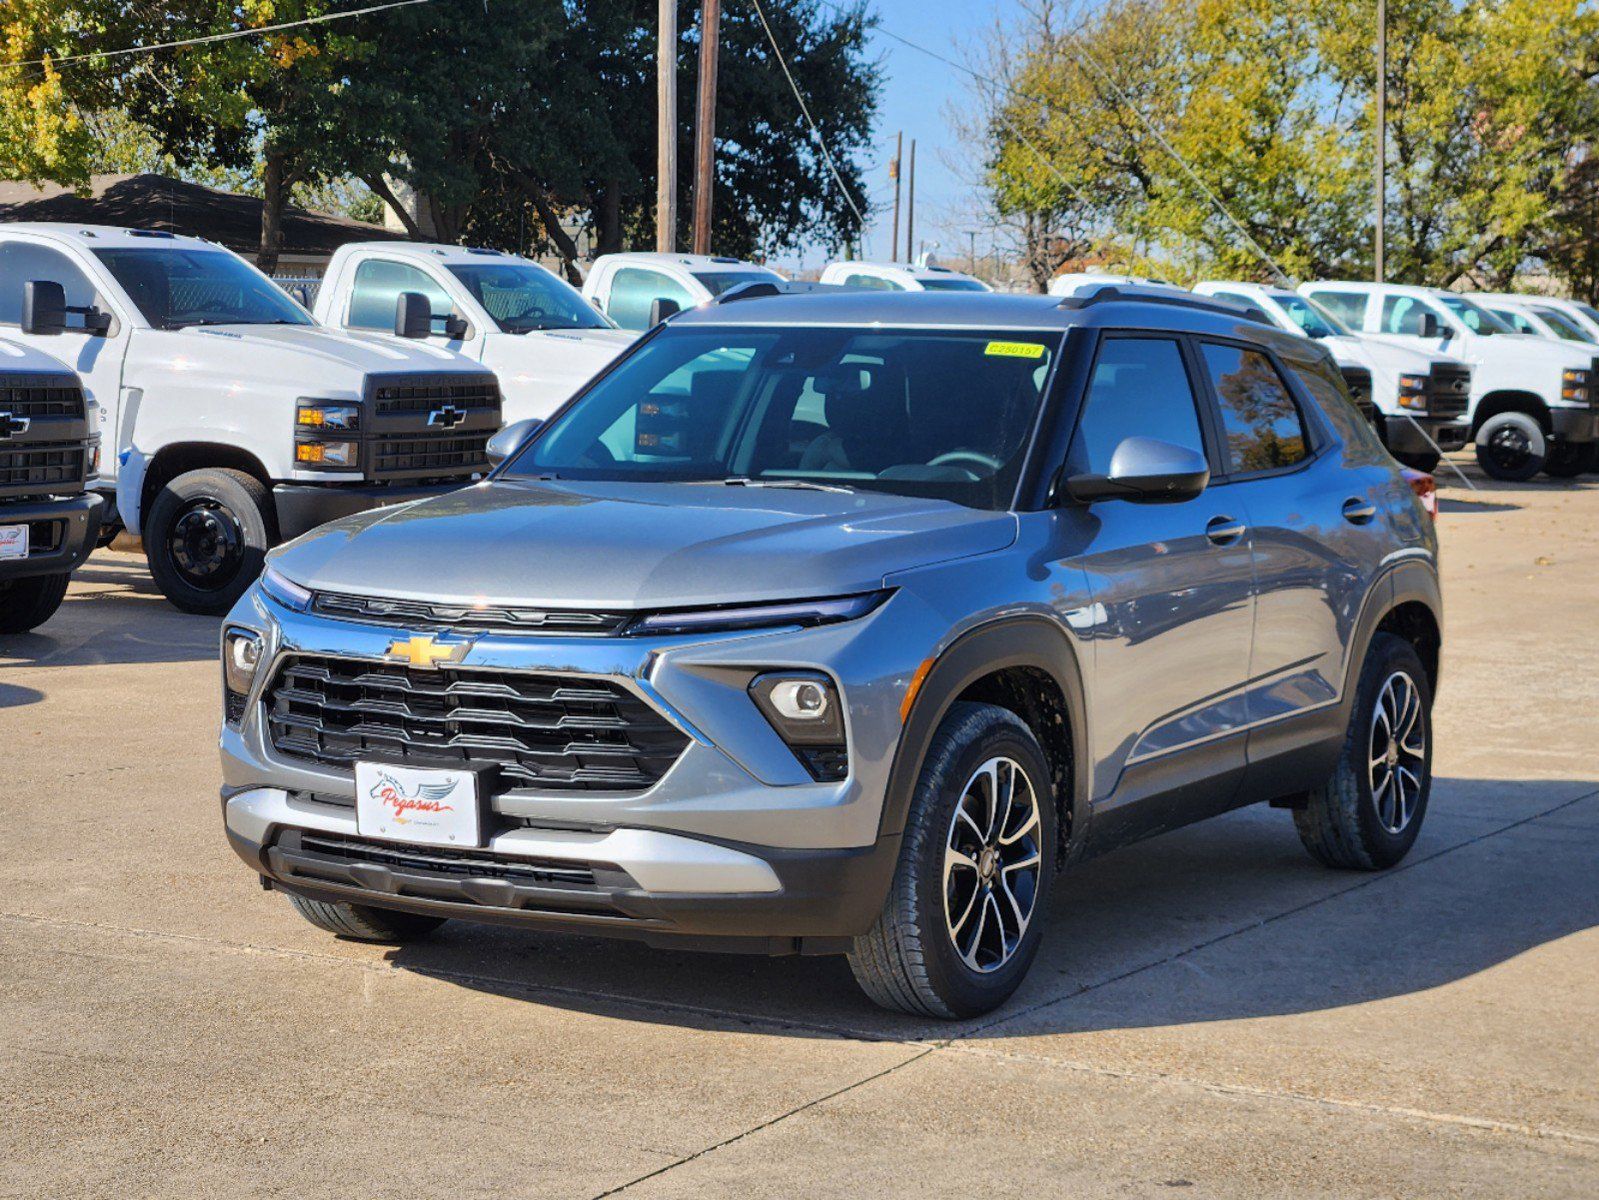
[447,417]
[425,651]
[12,425]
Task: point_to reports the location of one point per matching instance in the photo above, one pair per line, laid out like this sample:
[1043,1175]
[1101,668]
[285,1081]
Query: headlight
[1574,385]
[285,591]
[1413,392]
[343,455]
[241,657]
[805,710]
[757,616]
[319,414]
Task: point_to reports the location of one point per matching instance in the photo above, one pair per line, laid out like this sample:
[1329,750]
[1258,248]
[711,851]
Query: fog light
[805,711]
[800,700]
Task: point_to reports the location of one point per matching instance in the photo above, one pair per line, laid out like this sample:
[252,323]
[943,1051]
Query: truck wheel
[364,923]
[1427,461]
[1511,446]
[1567,460]
[206,536]
[28,603]
[1367,815]
[965,910]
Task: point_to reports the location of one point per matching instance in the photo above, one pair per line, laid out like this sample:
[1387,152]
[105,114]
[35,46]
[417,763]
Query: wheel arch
[1025,664]
[179,458]
[1408,603]
[1511,400]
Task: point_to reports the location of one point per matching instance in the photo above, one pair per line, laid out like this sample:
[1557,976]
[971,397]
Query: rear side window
[1140,388]
[1261,423]
[1348,307]
[376,293]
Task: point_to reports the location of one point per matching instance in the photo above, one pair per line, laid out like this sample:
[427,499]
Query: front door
[1171,620]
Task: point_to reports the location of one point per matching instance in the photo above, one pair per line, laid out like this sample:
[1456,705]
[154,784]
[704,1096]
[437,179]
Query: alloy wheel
[992,864]
[1398,752]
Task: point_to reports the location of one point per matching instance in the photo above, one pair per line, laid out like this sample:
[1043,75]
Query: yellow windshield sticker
[1014,349]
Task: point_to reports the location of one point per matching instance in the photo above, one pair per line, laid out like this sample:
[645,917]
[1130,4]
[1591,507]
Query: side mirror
[1145,469]
[512,438]
[1429,326]
[44,307]
[413,316]
[662,307]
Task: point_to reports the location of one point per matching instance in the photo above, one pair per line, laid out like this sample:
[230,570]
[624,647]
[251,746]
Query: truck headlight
[322,414]
[1574,385]
[241,658]
[803,707]
[1413,392]
[340,455]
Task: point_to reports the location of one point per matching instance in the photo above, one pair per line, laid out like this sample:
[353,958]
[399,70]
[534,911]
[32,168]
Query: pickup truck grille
[1451,392]
[44,435]
[412,613]
[431,426]
[1358,381]
[543,732]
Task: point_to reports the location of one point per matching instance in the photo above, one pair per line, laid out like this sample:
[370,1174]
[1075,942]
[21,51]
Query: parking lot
[1212,1013]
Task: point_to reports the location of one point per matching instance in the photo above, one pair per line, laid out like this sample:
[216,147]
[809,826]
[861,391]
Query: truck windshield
[175,288]
[953,285]
[1478,320]
[717,282]
[521,298]
[936,413]
[1562,326]
[1315,322]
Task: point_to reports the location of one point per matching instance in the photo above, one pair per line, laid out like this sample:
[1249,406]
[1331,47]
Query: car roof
[108,235]
[438,252]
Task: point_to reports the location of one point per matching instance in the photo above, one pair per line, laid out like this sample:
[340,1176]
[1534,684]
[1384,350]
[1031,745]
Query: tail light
[1426,489]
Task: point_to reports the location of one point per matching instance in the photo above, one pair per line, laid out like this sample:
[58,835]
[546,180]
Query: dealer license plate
[421,805]
[13,541]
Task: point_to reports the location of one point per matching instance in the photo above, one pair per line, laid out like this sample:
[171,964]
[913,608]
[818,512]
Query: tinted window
[1562,325]
[1310,318]
[376,293]
[1477,319]
[1517,322]
[953,285]
[634,289]
[1140,388]
[177,288]
[874,282]
[1586,310]
[23,262]
[1261,423]
[1348,307]
[1404,314]
[522,297]
[935,413]
[717,282]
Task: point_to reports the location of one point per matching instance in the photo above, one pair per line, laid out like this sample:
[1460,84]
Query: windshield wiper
[806,485]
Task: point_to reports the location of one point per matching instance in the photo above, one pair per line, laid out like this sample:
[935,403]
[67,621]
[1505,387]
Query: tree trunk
[275,194]
[559,238]
[381,189]
[610,219]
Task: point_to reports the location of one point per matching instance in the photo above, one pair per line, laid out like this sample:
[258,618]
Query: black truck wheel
[1567,460]
[1511,446]
[28,603]
[206,536]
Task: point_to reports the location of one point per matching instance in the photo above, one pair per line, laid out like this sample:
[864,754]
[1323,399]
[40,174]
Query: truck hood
[15,357]
[609,545]
[1369,352]
[540,370]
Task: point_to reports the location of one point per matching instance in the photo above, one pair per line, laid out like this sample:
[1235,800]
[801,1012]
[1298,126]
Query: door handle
[1224,531]
[1358,511]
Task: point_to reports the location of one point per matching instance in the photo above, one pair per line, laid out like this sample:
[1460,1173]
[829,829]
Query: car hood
[636,545]
[296,354]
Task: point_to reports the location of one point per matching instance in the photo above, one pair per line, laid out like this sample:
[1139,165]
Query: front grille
[44,434]
[443,861]
[412,613]
[1451,392]
[431,426]
[543,732]
[1358,381]
[35,400]
[425,395]
[42,465]
[458,455]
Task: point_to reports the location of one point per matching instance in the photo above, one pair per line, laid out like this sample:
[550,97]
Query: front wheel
[206,537]
[1512,447]
[965,910]
[28,603]
[362,922]
[1567,460]
[1366,817]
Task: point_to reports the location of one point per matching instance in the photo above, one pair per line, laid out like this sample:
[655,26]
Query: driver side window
[1139,388]
[376,293]
[23,262]
[1403,314]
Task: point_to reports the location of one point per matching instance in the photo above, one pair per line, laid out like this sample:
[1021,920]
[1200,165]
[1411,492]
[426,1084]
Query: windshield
[1586,310]
[947,284]
[1314,321]
[176,288]
[1562,325]
[717,282]
[1478,320]
[939,413]
[521,297]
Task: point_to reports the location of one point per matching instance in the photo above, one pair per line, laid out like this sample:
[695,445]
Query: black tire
[909,960]
[1512,446]
[28,603]
[1342,823]
[206,536]
[1567,460]
[363,923]
[1427,461]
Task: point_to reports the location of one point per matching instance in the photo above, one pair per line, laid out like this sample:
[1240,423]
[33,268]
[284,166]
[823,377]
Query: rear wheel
[1567,460]
[28,603]
[206,536]
[364,923]
[1511,446]
[964,914]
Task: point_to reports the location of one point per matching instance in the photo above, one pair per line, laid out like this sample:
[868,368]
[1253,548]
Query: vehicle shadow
[1224,920]
[1454,504]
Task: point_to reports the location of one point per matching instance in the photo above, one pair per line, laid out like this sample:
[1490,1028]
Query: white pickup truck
[1534,403]
[638,289]
[1420,397]
[531,328]
[900,277]
[230,419]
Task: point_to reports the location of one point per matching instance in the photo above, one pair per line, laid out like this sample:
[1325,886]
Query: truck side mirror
[413,316]
[44,307]
[663,307]
[1429,326]
[510,439]
[456,328]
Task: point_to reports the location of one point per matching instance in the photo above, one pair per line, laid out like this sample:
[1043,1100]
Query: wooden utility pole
[910,210]
[1380,266]
[893,173]
[666,129]
[705,124]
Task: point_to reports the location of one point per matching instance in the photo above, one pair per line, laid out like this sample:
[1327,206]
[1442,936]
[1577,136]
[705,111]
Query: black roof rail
[1134,295]
[774,287]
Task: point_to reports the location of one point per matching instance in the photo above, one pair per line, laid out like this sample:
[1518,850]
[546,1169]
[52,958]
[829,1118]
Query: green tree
[42,136]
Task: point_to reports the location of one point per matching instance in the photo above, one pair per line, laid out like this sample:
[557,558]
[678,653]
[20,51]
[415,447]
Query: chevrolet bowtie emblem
[426,652]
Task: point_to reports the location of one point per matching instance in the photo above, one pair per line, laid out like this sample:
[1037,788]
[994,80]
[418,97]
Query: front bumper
[1575,424]
[66,531]
[301,507]
[1402,434]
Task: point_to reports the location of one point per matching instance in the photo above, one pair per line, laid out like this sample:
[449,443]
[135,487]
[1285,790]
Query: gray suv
[845,623]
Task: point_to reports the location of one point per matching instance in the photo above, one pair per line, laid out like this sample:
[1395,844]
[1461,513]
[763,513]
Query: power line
[805,108]
[211,38]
